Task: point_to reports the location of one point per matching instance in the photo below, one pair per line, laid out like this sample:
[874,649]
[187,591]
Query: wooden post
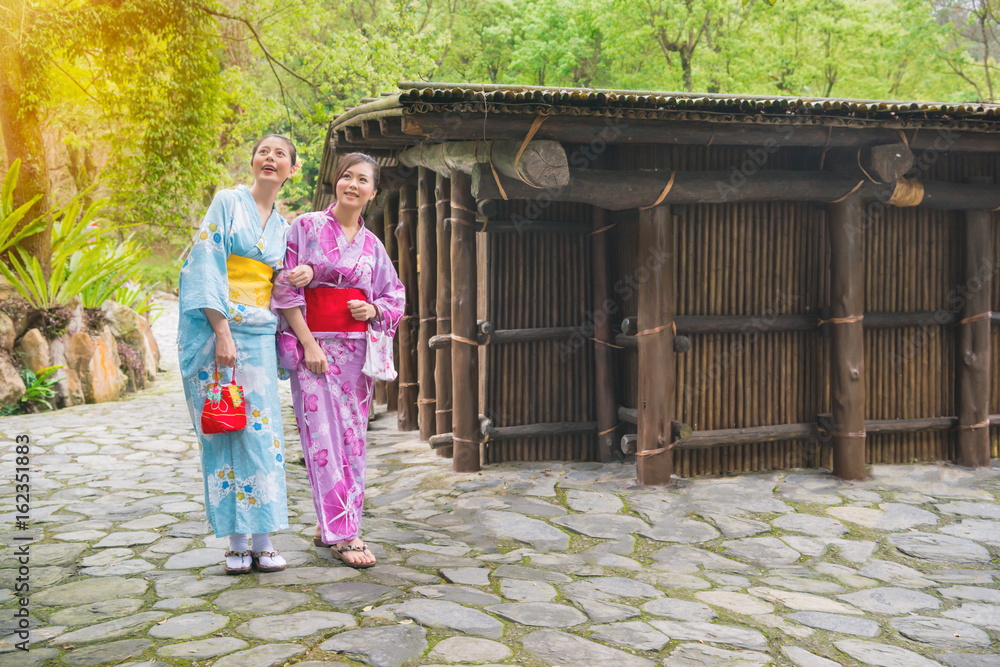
[406,241]
[655,275]
[427,277]
[603,374]
[376,223]
[847,363]
[464,351]
[390,220]
[442,366]
[973,342]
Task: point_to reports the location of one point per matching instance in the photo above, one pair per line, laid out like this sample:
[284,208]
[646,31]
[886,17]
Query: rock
[766,551]
[11,385]
[468,650]
[186,626]
[940,631]
[589,502]
[289,627]
[195,558]
[7,333]
[803,658]
[461,594]
[940,548]
[712,632]
[847,625]
[802,601]
[881,655]
[383,646]
[96,612]
[984,615]
[355,595]
[978,510]
[471,576]
[109,653]
[682,610]
[698,655]
[33,350]
[602,611]
[202,648]
[895,574]
[111,629]
[684,531]
[192,586]
[559,648]
[605,526]
[70,392]
[803,584]
[675,558]
[127,539]
[88,591]
[440,614]
[808,524]
[538,534]
[180,604]
[970,660]
[259,600]
[530,574]
[891,516]
[98,366]
[307,576]
[539,614]
[633,634]
[739,603]
[971,593]
[890,600]
[979,530]
[526,591]
[604,588]
[732,526]
[269,655]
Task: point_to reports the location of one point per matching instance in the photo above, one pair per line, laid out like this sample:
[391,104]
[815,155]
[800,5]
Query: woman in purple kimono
[321,341]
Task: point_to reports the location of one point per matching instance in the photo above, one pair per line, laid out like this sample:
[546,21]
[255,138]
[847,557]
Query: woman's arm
[315,359]
[225,346]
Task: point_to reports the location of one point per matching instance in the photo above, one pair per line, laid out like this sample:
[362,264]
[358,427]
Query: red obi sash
[327,311]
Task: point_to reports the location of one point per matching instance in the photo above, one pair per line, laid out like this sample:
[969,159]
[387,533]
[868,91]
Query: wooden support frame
[604,385]
[654,459]
[427,286]
[973,342]
[390,210]
[847,363]
[541,164]
[406,240]
[442,366]
[464,350]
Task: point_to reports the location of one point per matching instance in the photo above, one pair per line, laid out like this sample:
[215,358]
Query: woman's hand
[362,311]
[225,350]
[315,358]
[301,275]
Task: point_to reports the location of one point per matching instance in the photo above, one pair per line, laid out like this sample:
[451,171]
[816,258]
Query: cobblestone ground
[555,564]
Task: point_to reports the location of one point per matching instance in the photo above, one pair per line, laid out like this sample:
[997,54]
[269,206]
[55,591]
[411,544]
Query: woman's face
[272,162]
[356,186]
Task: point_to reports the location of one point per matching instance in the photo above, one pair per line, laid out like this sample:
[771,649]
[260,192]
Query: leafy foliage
[39,388]
[11,217]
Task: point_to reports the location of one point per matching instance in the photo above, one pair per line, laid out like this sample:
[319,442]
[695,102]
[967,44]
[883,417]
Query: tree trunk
[22,136]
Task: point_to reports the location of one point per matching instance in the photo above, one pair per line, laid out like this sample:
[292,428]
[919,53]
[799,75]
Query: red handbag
[225,408]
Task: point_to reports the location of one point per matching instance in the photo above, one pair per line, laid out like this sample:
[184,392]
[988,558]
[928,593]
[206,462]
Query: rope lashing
[975,318]
[663,195]
[907,193]
[848,319]
[853,190]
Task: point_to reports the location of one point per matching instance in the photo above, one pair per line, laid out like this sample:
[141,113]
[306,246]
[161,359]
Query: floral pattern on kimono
[331,410]
[244,471]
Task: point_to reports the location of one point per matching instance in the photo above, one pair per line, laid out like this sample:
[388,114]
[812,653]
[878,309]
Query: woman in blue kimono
[225,319]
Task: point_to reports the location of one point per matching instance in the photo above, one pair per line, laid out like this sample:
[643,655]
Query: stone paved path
[555,564]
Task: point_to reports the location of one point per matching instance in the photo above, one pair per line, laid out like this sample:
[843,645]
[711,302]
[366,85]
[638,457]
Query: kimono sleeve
[284,294]
[388,294]
[204,282]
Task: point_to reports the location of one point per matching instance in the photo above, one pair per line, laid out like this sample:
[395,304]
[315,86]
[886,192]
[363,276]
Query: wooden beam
[544,430]
[604,384]
[620,190]
[654,460]
[406,240]
[510,336]
[427,286]
[442,365]
[540,164]
[391,220]
[885,163]
[464,352]
[847,363]
[587,130]
[973,341]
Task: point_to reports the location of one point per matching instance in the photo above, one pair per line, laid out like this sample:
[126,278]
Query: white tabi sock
[238,543]
[262,542]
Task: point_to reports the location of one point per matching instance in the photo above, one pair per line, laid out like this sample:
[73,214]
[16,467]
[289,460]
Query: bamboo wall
[534,280]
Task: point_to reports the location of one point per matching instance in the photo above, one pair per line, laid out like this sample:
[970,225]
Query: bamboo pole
[406,237]
[654,460]
[427,287]
[847,368]
[391,220]
[973,342]
[442,365]
[464,351]
[376,223]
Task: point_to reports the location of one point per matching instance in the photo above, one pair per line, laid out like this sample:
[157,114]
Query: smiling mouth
[268,168]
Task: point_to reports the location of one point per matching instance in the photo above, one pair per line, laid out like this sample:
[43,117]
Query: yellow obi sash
[249,281]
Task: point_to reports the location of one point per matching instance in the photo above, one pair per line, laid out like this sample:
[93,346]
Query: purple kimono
[331,410]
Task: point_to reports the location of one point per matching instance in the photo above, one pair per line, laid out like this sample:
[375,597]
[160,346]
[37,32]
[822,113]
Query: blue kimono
[244,471]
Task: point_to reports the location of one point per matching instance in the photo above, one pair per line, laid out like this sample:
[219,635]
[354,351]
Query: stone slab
[632,634]
[383,646]
[202,648]
[882,655]
[890,600]
[290,627]
[712,632]
[846,625]
[539,614]
[444,615]
[469,650]
[559,648]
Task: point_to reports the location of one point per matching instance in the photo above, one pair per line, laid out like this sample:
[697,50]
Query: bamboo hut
[709,283]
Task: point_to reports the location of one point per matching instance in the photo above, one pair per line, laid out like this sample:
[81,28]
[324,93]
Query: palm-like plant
[10,217]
